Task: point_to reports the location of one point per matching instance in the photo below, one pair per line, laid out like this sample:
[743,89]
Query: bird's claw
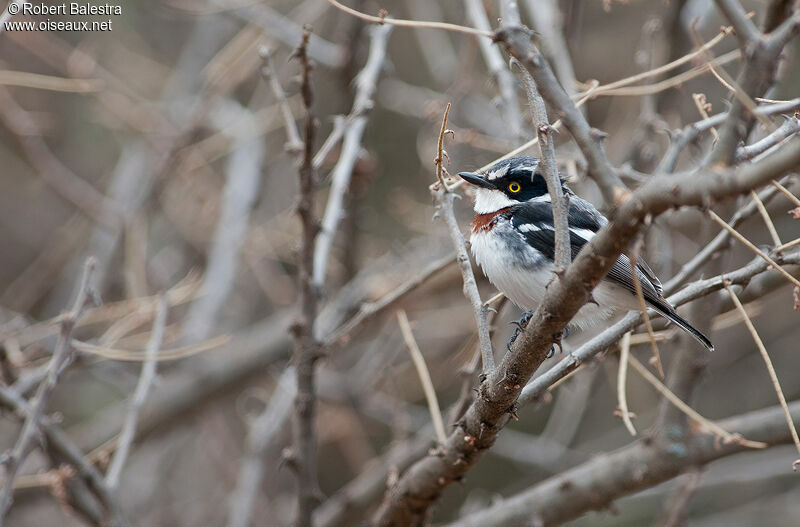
[520,324]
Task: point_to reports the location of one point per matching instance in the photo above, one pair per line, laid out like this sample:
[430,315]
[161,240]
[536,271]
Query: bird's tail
[670,314]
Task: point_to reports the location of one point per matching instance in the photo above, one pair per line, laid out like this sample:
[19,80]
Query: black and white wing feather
[535,222]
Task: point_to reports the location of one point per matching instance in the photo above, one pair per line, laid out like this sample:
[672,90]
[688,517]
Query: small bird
[513,240]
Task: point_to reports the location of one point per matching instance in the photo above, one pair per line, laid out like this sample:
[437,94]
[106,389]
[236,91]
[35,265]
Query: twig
[261,431]
[440,153]
[146,379]
[753,248]
[770,368]
[424,375]
[706,424]
[675,510]
[351,147]
[58,443]
[242,184]
[702,104]
[503,78]
[370,310]
[536,388]
[549,170]
[546,19]
[444,203]
[293,142]
[600,90]
[794,199]
[637,284]
[624,352]
[605,478]
[776,240]
[384,19]
[518,44]
[790,126]
[302,456]
[62,356]
[715,245]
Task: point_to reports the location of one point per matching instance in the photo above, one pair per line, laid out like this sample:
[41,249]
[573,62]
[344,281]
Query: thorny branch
[302,457]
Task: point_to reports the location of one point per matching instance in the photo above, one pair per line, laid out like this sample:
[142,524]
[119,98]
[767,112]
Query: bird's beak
[477,180]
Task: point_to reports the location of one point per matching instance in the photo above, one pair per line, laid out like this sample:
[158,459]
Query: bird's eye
[514,187]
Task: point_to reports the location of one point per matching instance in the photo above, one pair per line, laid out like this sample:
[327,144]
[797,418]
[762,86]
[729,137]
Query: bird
[513,241]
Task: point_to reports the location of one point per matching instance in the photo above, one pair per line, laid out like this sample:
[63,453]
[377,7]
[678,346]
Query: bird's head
[508,183]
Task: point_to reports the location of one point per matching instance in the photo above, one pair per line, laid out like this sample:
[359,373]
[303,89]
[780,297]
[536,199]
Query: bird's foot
[521,324]
[564,333]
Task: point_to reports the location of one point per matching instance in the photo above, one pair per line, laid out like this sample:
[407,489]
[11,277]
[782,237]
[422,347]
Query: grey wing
[651,286]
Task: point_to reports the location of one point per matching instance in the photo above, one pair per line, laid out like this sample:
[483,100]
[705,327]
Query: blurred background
[159,148]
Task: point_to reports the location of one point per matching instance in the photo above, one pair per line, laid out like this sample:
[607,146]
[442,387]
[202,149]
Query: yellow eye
[514,187]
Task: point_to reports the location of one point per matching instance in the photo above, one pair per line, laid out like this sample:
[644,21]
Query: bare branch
[351,146]
[622,373]
[549,170]
[384,19]
[62,356]
[424,375]
[503,78]
[770,368]
[146,379]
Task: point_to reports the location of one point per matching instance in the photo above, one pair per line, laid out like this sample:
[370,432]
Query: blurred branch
[146,379]
[424,375]
[58,442]
[61,179]
[62,356]
[547,20]
[261,432]
[622,373]
[384,19]
[597,483]
[536,388]
[498,69]
[770,369]
[351,147]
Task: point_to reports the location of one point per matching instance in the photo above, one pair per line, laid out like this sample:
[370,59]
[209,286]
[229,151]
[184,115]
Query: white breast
[525,281]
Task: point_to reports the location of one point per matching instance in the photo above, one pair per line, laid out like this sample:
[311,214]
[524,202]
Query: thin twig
[624,352]
[424,376]
[146,378]
[440,153]
[770,368]
[370,310]
[293,141]
[384,19]
[62,356]
[498,68]
[794,199]
[351,147]
[261,431]
[706,424]
[549,170]
[753,248]
[444,202]
[776,240]
[637,284]
[661,69]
